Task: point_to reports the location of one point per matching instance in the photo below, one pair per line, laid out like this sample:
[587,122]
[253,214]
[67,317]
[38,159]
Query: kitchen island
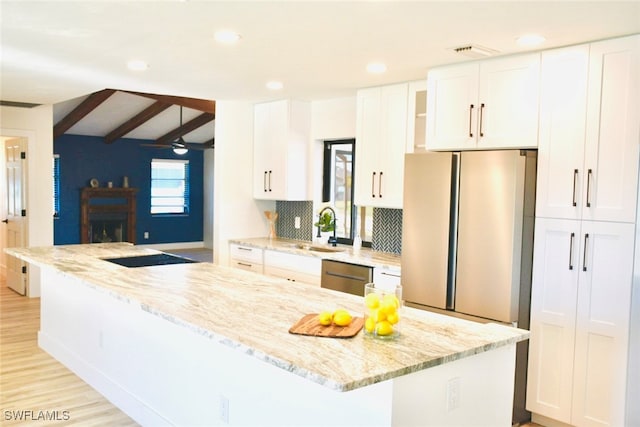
[201,344]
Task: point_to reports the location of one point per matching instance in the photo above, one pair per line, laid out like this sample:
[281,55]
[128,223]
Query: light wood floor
[32,381]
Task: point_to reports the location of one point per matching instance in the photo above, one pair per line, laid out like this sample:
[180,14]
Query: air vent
[17,104]
[475,51]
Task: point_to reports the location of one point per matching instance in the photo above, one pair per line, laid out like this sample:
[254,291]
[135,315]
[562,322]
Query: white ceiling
[54,51]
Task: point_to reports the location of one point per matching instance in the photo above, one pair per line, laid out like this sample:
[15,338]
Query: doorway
[13,232]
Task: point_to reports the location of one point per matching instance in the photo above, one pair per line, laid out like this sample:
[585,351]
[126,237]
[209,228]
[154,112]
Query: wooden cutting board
[309,325]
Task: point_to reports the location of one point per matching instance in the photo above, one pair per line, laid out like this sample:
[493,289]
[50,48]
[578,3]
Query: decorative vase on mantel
[271,216]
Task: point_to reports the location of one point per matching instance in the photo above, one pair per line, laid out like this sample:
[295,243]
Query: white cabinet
[245,257]
[490,104]
[381,131]
[296,268]
[417,116]
[387,276]
[580,304]
[280,145]
[589,126]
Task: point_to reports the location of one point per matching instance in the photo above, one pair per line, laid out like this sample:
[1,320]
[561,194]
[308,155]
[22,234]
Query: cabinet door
[602,324]
[553,313]
[508,110]
[367,146]
[392,146]
[563,104]
[261,140]
[270,150]
[613,126]
[452,103]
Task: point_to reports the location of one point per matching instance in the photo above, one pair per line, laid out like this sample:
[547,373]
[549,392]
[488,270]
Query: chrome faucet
[332,239]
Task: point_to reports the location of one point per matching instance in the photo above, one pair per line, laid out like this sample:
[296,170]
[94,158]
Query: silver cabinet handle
[373,184]
[571,239]
[470,115]
[481,111]
[244,264]
[240,248]
[575,179]
[380,185]
[584,255]
[589,178]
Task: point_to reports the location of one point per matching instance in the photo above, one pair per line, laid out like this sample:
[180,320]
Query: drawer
[246,265]
[299,263]
[246,253]
[386,276]
[294,276]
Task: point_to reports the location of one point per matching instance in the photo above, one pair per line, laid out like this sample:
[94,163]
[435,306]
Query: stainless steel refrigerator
[467,239]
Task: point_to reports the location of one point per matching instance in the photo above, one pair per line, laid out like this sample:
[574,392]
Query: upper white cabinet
[580,314]
[490,104]
[280,146]
[417,116]
[589,126]
[381,136]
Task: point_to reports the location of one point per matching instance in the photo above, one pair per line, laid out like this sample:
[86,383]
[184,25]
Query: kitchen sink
[316,248]
[149,260]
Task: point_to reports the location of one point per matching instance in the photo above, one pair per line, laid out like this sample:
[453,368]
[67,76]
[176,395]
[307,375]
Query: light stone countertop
[345,253]
[252,313]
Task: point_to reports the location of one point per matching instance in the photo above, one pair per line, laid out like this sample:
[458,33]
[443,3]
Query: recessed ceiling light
[529,40]
[137,65]
[227,36]
[274,85]
[376,67]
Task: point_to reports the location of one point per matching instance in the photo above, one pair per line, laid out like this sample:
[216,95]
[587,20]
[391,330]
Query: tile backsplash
[387,230]
[287,213]
[387,225]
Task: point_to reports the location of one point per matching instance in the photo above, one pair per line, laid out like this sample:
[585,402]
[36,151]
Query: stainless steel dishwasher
[345,277]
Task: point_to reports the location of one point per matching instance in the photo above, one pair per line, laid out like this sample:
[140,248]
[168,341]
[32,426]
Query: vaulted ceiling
[114,114]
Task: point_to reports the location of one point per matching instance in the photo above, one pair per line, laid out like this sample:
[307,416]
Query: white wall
[236,213]
[36,124]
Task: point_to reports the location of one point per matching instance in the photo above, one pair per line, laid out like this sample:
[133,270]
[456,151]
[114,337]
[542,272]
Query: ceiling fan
[180,146]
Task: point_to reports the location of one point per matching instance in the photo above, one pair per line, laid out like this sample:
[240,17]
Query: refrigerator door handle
[589,178]
[584,254]
[470,116]
[571,239]
[575,179]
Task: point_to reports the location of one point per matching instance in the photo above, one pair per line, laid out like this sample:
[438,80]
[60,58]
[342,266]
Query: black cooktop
[149,260]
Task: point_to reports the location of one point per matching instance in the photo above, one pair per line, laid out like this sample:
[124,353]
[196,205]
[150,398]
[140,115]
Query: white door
[613,125]
[15,158]
[563,105]
[553,317]
[508,112]
[602,323]
[452,106]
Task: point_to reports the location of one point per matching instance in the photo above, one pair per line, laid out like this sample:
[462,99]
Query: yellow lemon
[325,318]
[390,299]
[342,318]
[369,325]
[387,308]
[384,328]
[377,315]
[372,301]
[393,318]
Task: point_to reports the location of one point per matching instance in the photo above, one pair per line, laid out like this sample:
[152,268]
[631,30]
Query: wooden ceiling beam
[190,126]
[204,105]
[78,113]
[136,121]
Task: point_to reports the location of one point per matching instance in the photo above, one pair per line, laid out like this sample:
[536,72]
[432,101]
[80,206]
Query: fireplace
[108,215]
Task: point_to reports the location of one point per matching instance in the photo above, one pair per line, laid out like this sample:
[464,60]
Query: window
[56,186]
[169,186]
[338,185]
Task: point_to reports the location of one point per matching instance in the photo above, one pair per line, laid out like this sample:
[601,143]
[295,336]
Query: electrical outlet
[146,234]
[224,409]
[297,222]
[453,394]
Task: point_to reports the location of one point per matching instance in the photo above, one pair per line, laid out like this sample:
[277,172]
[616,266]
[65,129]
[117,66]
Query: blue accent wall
[86,157]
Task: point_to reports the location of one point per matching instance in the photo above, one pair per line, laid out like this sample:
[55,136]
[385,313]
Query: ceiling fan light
[179,147]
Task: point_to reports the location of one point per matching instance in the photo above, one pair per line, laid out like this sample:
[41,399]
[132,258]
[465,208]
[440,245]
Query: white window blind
[169,186]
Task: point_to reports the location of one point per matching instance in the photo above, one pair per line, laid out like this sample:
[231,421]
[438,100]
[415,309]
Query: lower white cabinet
[246,257]
[386,276]
[580,310]
[296,268]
